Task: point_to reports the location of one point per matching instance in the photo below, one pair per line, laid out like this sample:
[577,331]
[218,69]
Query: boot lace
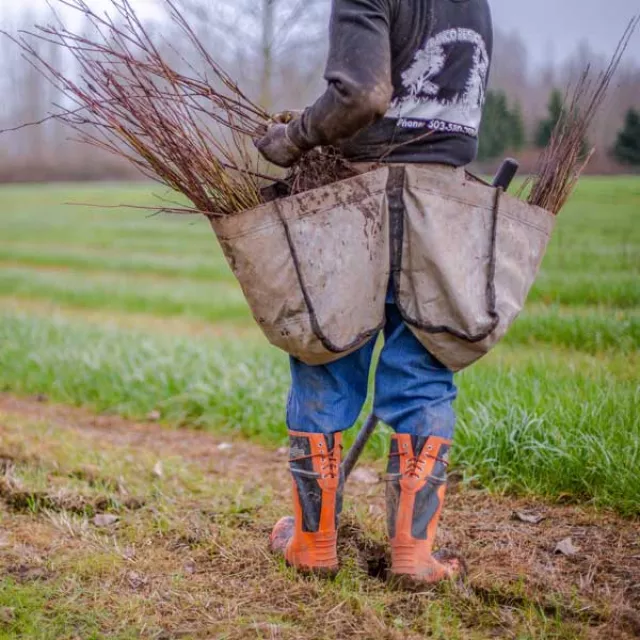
[416,464]
[329,465]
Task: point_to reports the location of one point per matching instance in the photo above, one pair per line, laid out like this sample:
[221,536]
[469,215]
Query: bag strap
[328,344]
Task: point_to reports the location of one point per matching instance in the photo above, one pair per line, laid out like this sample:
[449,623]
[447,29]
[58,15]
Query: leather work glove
[277,147]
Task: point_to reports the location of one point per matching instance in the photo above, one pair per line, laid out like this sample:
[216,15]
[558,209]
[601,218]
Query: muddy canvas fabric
[466,258]
[314,268]
[460,256]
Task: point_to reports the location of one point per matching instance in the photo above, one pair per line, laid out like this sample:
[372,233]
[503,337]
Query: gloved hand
[277,147]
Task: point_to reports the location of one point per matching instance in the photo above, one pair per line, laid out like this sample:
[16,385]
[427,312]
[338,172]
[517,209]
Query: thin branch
[564,160]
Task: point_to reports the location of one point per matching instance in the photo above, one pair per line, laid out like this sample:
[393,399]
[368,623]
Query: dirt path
[516,573]
[240,460]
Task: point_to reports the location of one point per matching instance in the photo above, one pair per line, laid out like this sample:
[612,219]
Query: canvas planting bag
[314,267]
[461,257]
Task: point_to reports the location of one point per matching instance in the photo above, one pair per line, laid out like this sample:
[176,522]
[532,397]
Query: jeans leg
[329,398]
[414,391]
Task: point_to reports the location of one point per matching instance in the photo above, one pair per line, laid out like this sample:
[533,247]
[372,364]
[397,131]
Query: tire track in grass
[168,325]
[211,267]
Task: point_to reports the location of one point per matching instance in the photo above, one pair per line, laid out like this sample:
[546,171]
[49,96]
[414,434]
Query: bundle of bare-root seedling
[186,125]
[564,159]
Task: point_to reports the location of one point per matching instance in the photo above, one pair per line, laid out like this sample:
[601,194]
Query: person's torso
[440,55]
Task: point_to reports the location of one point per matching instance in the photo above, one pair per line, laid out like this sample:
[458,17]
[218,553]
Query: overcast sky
[556,27]
[550,28]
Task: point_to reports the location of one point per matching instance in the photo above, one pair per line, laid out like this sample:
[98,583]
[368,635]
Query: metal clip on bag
[315,267]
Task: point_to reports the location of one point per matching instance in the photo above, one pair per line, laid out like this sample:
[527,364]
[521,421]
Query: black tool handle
[358,446]
[506,174]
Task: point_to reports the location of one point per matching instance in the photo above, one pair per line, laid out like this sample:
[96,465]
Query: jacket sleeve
[358,74]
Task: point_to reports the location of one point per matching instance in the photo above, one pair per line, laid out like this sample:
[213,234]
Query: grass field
[126,314]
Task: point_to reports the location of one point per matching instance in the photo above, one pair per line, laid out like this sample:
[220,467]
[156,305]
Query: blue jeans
[414,392]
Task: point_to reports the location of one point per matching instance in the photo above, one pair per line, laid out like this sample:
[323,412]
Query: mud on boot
[308,540]
[416,486]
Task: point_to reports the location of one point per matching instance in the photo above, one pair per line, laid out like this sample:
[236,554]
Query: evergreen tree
[489,142]
[555,115]
[501,128]
[627,147]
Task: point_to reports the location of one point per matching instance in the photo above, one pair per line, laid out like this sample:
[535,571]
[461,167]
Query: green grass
[553,411]
[587,329]
[29,616]
[215,302]
[527,421]
[230,385]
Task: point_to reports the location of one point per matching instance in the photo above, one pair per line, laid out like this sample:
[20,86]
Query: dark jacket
[407,81]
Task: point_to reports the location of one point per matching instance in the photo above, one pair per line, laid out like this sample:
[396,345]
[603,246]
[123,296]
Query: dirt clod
[104,520]
[27,573]
[529,518]
[7,615]
[566,547]
[370,555]
[136,580]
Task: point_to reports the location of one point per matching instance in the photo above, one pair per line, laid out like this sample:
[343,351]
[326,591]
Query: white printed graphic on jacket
[422,101]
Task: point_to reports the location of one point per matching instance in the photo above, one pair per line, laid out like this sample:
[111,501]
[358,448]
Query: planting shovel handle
[506,174]
[358,446]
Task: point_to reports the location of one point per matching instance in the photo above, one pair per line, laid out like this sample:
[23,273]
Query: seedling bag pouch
[459,255]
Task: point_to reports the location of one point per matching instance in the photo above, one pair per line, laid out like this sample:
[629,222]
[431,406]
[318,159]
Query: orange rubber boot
[309,539]
[416,486]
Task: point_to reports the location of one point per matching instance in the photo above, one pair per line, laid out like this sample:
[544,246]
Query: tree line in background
[503,130]
[277,49]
